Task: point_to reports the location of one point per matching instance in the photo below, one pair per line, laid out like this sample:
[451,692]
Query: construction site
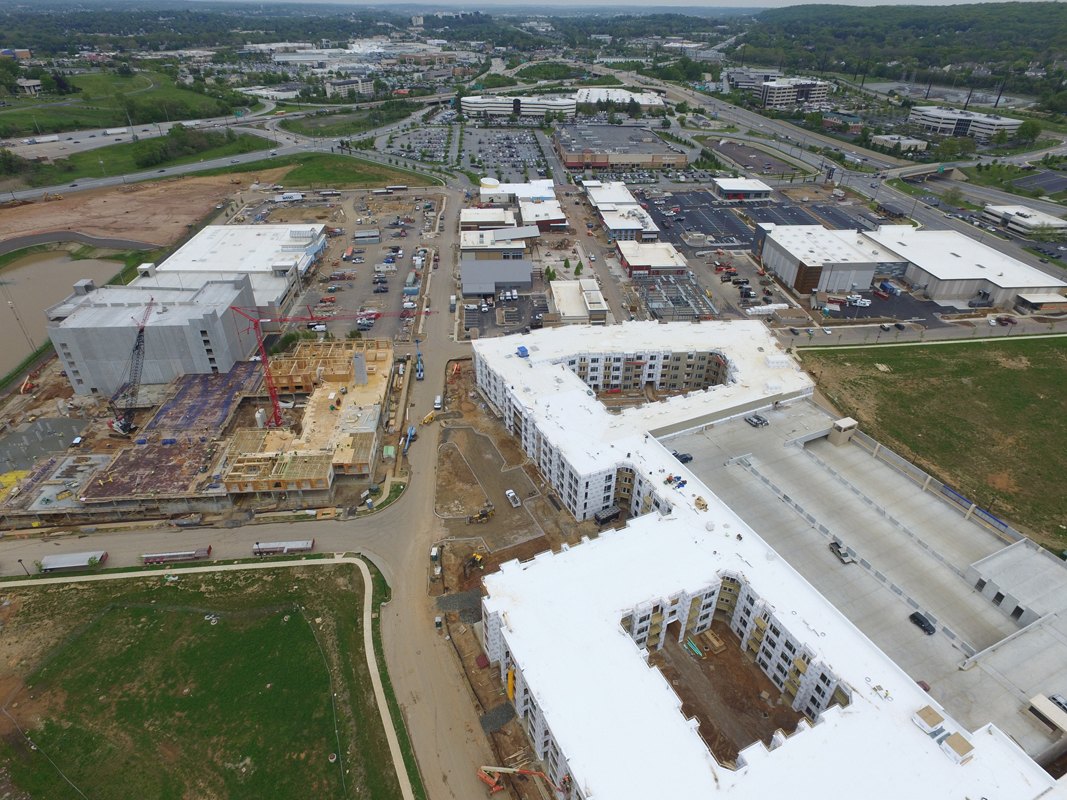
[208,443]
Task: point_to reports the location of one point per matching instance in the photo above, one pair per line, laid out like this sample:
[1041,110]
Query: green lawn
[103,85]
[322,170]
[144,697]
[118,160]
[989,419]
[97,106]
[351,124]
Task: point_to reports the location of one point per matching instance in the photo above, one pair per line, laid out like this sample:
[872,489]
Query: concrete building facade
[186,331]
[793,92]
[613,147]
[491,105]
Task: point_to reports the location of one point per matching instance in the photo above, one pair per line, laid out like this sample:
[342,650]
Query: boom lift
[490,776]
[123,422]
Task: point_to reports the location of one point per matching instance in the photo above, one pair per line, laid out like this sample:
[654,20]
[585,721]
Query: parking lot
[510,154]
[501,317]
[700,212]
[780,214]
[836,218]
[428,144]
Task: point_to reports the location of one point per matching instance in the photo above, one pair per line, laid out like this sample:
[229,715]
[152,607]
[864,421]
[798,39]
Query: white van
[437,403]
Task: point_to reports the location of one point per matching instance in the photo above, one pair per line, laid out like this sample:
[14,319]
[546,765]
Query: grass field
[144,697]
[118,160]
[989,419]
[343,125]
[320,170]
[97,105]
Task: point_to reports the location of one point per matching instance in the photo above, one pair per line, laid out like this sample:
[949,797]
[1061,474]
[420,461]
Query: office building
[949,121]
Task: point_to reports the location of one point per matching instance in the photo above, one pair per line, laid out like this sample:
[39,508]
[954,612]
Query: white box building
[187,331]
[491,105]
[810,258]
[1025,220]
[571,632]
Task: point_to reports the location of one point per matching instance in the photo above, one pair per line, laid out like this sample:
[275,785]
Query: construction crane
[252,315]
[490,776]
[123,422]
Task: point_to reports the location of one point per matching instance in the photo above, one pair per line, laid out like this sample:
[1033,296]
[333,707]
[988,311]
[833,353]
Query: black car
[794,331]
[921,620]
[381,289]
[900,326]
[685,458]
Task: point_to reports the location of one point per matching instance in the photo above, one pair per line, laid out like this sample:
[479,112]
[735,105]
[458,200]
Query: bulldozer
[475,560]
[482,516]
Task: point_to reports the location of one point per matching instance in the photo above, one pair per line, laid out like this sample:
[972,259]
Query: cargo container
[348,254]
[114,131]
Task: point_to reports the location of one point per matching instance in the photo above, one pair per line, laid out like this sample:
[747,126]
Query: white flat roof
[575,299]
[267,287]
[533,211]
[244,248]
[542,188]
[618,722]
[497,238]
[952,256]
[118,306]
[613,716]
[503,216]
[629,218]
[612,193]
[814,244]
[1027,216]
[557,396]
[609,94]
[654,255]
[741,185]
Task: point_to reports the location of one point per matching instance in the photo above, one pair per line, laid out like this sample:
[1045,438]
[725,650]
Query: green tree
[1029,131]
[566,265]
[814,119]
[1000,138]
[953,196]
[665,124]
[578,269]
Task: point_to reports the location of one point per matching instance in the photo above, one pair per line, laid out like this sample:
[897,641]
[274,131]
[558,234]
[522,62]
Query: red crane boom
[252,315]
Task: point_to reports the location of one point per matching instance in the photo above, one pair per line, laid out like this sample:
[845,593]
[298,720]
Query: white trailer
[72,561]
[114,131]
[282,548]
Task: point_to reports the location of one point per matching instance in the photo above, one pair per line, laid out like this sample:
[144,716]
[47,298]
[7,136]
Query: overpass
[924,171]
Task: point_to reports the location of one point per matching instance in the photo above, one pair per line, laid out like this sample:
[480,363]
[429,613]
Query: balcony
[801,666]
[757,634]
[761,623]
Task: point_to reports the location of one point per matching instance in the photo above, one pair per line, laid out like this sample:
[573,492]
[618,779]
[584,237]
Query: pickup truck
[841,553]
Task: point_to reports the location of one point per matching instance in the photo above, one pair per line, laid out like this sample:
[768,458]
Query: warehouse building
[496,259]
[491,105]
[949,121]
[744,189]
[684,560]
[1025,221]
[486,219]
[546,215]
[614,147]
[954,269]
[646,259]
[187,331]
[810,258]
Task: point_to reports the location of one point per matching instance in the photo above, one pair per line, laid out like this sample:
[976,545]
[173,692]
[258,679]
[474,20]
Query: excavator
[490,776]
[482,516]
[475,560]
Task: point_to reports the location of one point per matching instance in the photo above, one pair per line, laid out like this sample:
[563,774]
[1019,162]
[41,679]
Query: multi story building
[793,92]
[748,79]
[574,363]
[949,121]
[604,721]
[907,143]
[490,260]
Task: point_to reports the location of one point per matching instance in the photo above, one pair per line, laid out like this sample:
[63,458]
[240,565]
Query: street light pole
[23,567]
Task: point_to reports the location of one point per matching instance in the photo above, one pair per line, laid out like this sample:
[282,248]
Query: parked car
[842,554]
[885,326]
[685,458]
[900,326]
[795,331]
[757,421]
[921,621]
[513,498]
[381,289]
[827,331]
